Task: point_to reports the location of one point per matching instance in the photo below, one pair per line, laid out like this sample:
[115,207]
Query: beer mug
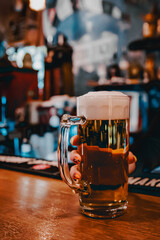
[103,132]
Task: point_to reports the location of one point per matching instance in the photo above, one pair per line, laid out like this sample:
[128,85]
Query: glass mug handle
[66,122]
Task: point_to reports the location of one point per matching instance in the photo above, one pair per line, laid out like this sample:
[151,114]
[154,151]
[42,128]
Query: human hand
[76,158]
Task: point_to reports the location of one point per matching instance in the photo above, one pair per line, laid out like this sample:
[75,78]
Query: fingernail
[76,176]
[77,159]
[135,158]
[71,141]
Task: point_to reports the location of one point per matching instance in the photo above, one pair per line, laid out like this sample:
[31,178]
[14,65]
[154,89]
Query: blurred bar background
[52,51]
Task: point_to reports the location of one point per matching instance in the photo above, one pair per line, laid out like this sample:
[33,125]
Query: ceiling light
[37,5]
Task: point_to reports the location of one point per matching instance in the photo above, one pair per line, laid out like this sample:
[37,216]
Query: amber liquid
[104,168]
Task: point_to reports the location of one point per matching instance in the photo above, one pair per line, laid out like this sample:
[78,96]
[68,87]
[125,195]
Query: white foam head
[103,105]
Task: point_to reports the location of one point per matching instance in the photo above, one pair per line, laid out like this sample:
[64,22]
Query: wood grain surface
[39,208]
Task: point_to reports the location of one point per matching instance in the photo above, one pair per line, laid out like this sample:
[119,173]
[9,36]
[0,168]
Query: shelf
[145,44]
[128,87]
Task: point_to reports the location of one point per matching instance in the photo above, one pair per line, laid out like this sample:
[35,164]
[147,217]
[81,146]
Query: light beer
[104,144]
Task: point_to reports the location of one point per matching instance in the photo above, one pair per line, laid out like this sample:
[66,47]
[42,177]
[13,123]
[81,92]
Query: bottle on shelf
[135,70]
[59,76]
[124,64]
[150,23]
[150,66]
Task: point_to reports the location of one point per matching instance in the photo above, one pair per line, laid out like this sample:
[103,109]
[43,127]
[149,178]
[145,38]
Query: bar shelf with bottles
[142,81]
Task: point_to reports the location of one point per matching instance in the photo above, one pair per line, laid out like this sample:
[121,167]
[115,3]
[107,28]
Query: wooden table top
[39,208]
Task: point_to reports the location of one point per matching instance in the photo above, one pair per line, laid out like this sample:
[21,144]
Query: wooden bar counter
[40,208]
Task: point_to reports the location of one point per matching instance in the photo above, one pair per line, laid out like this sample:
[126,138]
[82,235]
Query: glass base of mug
[104,212]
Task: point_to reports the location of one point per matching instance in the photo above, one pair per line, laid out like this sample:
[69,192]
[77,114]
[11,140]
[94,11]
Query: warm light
[37,5]
[18,5]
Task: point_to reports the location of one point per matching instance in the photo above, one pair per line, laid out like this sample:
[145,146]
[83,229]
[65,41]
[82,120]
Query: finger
[131,158]
[131,167]
[75,157]
[75,140]
[75,174]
